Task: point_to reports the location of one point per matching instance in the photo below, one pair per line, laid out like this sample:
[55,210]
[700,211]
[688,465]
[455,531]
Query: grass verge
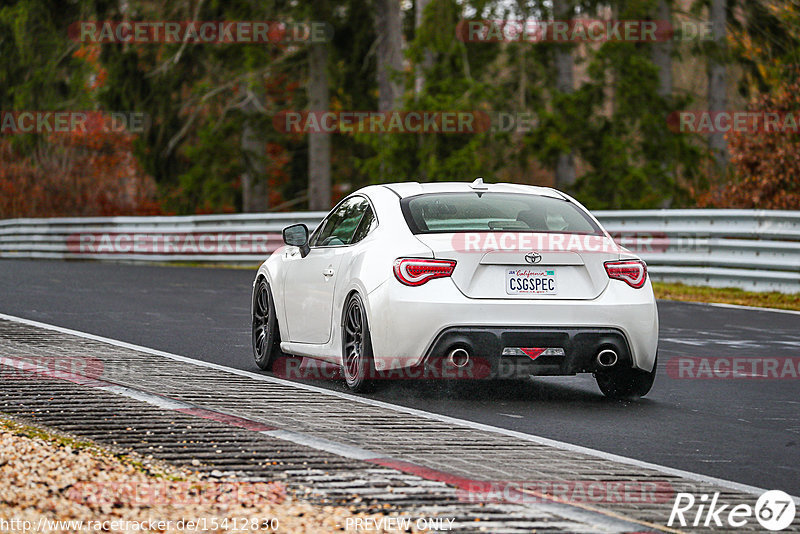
[726,295]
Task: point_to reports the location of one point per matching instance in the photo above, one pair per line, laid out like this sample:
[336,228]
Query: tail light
[417,271]
[632,272]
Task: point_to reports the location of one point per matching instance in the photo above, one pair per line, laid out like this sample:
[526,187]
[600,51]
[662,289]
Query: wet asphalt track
[747,431]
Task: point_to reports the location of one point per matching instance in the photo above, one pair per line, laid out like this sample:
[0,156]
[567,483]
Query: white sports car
[504,280]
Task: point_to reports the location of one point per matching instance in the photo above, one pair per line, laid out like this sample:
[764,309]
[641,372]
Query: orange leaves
[78,174]
[277,161]
[766,164]
[90,53]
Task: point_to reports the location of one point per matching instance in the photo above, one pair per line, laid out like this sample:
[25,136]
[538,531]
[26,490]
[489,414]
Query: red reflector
[532,353]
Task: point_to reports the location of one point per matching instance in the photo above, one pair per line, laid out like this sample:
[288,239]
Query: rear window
[487,212]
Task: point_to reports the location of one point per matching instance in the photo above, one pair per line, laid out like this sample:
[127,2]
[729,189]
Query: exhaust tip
[458,357]
[607,358]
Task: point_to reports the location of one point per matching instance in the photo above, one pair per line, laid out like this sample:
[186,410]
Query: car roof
[409,189]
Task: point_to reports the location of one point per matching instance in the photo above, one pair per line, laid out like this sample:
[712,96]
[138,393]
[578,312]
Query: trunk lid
[494,265]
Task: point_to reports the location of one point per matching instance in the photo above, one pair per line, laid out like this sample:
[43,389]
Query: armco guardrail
[240,238]
[758,250]
[751,249]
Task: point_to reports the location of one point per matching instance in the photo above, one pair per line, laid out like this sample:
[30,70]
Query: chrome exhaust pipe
[607,358]
[458,357]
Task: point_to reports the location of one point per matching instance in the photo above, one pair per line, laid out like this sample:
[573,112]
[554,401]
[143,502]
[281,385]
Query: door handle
[327,272]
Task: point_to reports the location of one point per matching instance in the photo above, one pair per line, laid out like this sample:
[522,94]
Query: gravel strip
[46,478]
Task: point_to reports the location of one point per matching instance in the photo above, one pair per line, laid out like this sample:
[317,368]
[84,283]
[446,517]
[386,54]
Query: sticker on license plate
[526,281]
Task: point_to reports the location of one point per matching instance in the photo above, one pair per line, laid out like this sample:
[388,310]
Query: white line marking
[340,449]
[736,306]
[510,415]
[155,400]
[735,486]
[756,308]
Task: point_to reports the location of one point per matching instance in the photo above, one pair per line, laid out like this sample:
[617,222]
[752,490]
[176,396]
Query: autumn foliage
[765,165]
[92,173]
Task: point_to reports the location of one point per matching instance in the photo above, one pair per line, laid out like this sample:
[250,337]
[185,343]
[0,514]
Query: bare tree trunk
[389,53]
[717,78]
[522,82]
[427,60]
[662,54]
[254,187]
[662,58]
[565,166]
[319,144]
[419,77]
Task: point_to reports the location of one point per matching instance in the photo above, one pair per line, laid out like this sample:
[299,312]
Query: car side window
[341,225]
[367,224]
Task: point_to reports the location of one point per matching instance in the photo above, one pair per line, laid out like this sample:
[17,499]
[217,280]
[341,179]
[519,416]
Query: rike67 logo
[774,510]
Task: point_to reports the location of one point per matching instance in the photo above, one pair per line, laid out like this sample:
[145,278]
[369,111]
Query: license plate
[527,281]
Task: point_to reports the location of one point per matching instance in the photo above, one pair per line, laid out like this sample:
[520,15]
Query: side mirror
[296,235]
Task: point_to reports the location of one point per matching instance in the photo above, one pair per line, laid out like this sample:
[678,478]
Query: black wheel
[626,383]
[357,360]
[266,338]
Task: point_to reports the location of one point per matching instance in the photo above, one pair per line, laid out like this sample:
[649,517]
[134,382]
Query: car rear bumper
[485,346]
[407,323]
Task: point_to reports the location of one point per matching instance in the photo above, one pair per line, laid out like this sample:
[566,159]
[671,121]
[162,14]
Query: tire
[626,383]
[266,337]
[358,365]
